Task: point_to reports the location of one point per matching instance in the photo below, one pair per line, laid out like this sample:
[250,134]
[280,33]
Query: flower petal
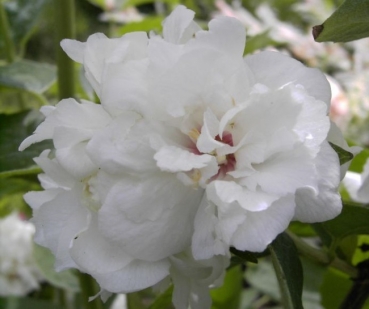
[261,228]
[275,70]
[136,276]
[325,203]
[150,217]
[93,253]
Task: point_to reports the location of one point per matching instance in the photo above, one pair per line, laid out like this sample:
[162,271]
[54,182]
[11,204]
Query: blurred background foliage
[28,80]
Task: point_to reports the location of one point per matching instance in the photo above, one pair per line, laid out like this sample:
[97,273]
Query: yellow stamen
[194,134]
[196,176]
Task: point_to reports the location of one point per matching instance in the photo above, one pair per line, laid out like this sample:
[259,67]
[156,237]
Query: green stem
[282,282]
[65,28]
[5,29]
[40,98]
[321,257]
[88,289]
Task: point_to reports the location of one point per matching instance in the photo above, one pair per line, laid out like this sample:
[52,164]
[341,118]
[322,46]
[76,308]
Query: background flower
[19,273]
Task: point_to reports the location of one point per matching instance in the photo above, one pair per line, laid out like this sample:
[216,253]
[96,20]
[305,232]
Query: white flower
[19,273]
[193,149]
[357,184]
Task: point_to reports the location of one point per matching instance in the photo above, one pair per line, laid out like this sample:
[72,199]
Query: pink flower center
[226,163]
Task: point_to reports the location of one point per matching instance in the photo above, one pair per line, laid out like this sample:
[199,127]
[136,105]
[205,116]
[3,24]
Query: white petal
[123,145]
[93,253]
[275,70]
[261,228]
[69,113]
[206,141]
[76,161]
[74,49]
[191,279]
[223,193]
[175,25]
[174,159]
[352,182]
[325,203]
[125,87]
[150,217]
[55,174]
[57,223]
[363,192]
[136,276]
[225,34]
[284,172]
[205,241]
[35,199]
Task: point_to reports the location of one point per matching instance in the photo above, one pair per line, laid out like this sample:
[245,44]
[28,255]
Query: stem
[88,289]
[5,29]
[321,257]
[282,282]
[65,28]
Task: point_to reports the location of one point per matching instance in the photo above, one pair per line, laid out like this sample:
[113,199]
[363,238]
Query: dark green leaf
[99,3]
[349,22]
[13,130]
[64,279]
[228,295]
[353,220]
[129,3]
[164,300]
[23,16]
[246,256]
[288,269]
[343,155]
[28,75]
[29,303]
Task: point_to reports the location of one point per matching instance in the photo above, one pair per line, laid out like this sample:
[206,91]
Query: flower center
[226,163]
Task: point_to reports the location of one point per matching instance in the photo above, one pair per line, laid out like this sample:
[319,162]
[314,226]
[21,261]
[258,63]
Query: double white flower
[193,149]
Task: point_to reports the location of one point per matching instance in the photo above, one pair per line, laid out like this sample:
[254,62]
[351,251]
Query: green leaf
[258,41]
[349,22]
[343,155]
[228,296]
[45,261]
[246,256]
[288,269]
[334,288]
[28,75]
[11,195]
[357,164]
[164,300]
[29,303]
[130,3]
[353,220]
[23,17]
[148,24]
[99,3]
[301,229]
[13,130]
